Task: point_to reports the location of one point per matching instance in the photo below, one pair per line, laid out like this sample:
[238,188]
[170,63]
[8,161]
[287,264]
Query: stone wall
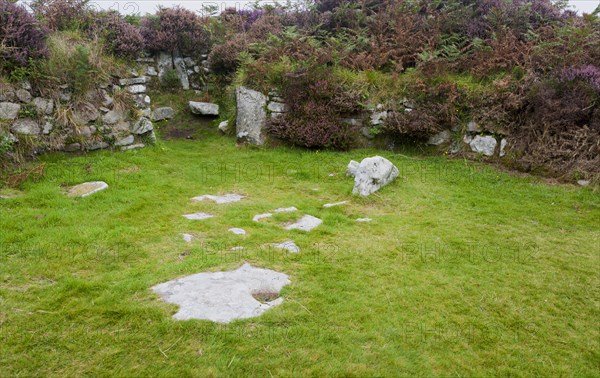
[98,119]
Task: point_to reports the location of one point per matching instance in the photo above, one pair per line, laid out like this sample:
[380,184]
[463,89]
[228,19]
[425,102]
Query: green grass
[464,271]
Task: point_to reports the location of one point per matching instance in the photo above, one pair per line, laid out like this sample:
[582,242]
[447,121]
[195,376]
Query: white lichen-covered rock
[372,174]
[25,126]
[9,110]
[204,108]
[352,168]
[136,89]
[237,231]
[224,126]
[164,63]
[224,296]
[251,115]
[503,144]
[142,126]
[485,145]
[440,138]
[160,114]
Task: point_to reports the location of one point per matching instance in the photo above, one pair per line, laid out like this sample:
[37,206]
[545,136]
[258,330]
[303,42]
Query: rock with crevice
[373,174]
[223,297]
[251,116]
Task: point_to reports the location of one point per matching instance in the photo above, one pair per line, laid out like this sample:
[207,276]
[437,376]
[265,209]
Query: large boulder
[25,126]
[204,108]
[163,113]
[9,110]
[251,115]
[372,174]
[485,145]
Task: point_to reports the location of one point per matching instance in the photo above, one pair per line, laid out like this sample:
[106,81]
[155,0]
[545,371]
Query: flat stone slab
[237,231]
[222,297]
[289,246]
[198,216]
[87,189]
[226,198]
[327,205]
[258,217]
[364,220]
[306,223]
[285,210]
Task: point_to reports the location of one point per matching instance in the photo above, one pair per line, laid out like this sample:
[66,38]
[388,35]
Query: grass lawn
[464,270]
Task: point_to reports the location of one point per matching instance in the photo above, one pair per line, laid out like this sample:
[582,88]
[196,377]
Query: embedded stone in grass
[289,246]
[226,198]
[286,209]
[224,296]
[306,223]
[87,189]
[198,216]
[364,220]
[188,238]
[258,217]
[327,205]
[238,231]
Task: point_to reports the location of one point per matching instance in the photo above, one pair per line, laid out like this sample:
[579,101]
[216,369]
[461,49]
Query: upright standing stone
[251,115]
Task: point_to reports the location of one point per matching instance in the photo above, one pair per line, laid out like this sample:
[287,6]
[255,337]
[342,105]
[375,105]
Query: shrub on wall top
[175,29]
[122,38]
[21,36]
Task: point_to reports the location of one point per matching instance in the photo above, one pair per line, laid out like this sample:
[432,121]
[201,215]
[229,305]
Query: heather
[523,68]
